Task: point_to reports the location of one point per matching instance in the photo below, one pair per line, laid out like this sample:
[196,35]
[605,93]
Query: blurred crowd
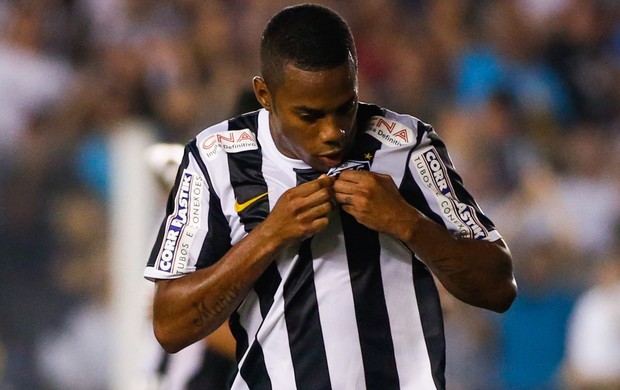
[525,93]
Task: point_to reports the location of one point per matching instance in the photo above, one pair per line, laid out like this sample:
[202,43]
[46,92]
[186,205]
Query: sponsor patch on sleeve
[182,225]
[389,132]
[434,176]
[233,141]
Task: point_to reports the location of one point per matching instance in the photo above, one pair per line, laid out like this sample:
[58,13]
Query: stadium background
[526,94]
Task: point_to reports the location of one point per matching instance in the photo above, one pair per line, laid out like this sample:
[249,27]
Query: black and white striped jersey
[348,308]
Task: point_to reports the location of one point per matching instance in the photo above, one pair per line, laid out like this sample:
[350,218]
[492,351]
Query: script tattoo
[206,312]
[450,266]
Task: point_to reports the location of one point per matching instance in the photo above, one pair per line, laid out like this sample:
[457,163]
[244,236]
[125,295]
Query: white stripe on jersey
[334,295]
[412,359]
[273,335]
[250,318]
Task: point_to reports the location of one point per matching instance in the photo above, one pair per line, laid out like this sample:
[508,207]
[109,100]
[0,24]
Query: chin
[318,166]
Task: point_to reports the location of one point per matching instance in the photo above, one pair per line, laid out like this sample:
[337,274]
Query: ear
[262,93]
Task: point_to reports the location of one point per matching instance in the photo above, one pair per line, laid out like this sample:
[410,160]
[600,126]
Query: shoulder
[391,128]
[229,136]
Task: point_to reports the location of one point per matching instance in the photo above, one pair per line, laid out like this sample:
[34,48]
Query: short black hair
[308,36]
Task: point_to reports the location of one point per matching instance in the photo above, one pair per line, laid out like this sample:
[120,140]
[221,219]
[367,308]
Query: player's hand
[374,201]
[302,211]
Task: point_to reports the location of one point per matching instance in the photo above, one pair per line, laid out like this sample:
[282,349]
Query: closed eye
[310,116]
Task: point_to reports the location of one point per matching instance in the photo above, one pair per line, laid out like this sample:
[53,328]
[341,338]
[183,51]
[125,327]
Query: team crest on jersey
[233,141]
[434,175]
[354,165]
[182,225]
[390,132]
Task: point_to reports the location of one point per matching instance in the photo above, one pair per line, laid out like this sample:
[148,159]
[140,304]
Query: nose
[331,131]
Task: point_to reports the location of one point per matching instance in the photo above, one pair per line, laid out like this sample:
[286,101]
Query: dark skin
[312,118]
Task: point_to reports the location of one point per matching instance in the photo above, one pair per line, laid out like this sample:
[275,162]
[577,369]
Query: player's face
[312,114]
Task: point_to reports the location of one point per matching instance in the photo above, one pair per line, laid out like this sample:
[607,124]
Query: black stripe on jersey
[303,324]
[239,334]
[266,287]
[431,317]
[164,362]
[423,129]
[217,242]
[457,182]
[301,313]
[306,174]
[366,145]
[159,239]
[255,374]
[246,178]
[366,148]
[246,175]
[363,249]
[365,112]
[169,208]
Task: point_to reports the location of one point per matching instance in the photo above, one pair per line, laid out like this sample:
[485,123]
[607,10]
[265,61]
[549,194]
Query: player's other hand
[374,201]
[303,210]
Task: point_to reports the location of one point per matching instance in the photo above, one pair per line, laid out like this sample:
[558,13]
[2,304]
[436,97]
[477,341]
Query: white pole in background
[132,216]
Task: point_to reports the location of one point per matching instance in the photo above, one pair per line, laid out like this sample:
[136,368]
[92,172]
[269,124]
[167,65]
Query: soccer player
[315,225]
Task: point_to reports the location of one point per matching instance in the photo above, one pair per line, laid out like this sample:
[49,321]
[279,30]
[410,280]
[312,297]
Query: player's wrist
[407,226]
[268,239]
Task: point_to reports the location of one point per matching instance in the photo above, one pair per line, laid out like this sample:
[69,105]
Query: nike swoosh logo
[239,207]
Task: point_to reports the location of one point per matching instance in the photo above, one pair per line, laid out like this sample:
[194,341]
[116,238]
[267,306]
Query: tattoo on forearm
[206,312]
[459,276]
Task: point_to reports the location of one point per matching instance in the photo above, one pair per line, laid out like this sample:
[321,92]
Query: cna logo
[434,175]
[390,132]
[182,224]
[233,141]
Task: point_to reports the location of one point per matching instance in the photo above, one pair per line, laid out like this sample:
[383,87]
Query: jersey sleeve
[179,244]
[441,191]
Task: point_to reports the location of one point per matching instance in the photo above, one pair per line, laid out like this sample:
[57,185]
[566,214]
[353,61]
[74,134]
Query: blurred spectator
[593,347]
[533,331]
[508,60]
[73,352]
[472,346]
[582,50]
[30,78]
[590,189]
[572,196]
[29,299]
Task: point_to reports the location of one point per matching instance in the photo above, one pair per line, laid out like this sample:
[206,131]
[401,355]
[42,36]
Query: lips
[332,159]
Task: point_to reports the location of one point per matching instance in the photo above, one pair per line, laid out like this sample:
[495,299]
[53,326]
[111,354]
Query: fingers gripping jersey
[348,308]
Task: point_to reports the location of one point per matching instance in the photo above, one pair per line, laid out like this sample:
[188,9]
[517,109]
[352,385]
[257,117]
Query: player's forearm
[475,271]
[191,307]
